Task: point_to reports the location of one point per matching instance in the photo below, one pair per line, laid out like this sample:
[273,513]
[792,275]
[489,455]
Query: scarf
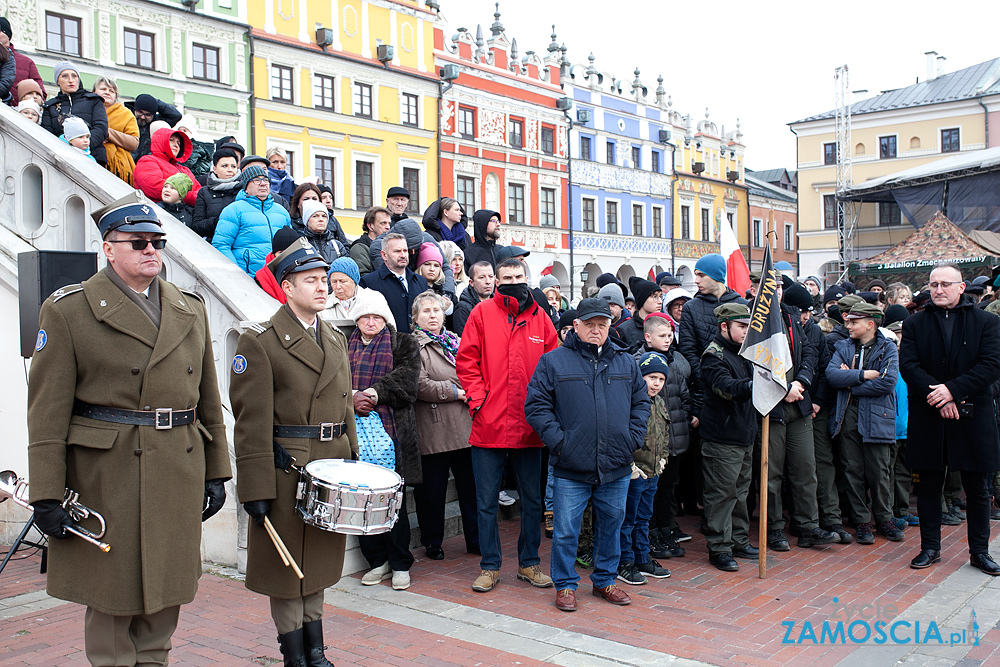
[447,340]
[369,364]
[456,234]
[120,162]
[217,184]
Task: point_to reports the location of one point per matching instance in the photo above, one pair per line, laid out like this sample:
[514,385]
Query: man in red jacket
[502,341]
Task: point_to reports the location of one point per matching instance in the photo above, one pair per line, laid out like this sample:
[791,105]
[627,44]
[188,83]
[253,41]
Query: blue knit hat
[347,266]
[713,266]
[654,362]
[251,172]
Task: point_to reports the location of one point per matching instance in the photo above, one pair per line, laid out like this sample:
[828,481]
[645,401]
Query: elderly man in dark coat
[949,357]
[124,408]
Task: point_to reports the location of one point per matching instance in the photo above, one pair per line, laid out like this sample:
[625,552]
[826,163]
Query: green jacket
[652,456]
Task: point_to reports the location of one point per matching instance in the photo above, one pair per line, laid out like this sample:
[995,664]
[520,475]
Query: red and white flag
[737,271]
[547,271]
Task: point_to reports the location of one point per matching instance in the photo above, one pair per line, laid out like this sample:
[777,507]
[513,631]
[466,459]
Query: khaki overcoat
[96,345]
[281,376]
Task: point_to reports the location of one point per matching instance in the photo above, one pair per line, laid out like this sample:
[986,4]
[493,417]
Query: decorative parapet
[613,244]
[694,248]
[533,238]
[598,175]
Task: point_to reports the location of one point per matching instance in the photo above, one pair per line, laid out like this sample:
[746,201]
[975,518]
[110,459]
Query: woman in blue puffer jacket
[247,226]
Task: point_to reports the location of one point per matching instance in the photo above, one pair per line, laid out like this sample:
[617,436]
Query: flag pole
[765,447]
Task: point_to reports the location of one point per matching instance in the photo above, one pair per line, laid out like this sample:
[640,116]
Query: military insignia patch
[43,338]
[239,364]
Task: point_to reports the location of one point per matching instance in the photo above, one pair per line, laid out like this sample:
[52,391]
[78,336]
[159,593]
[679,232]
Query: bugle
[16,488]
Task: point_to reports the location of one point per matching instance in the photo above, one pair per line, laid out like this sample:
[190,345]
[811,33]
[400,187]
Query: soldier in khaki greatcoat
[124,408]
[290,389]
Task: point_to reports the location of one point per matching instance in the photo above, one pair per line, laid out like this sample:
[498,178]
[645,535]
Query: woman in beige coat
[444,425]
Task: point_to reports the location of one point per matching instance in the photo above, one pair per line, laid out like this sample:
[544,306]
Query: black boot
[314,645]
[292,648]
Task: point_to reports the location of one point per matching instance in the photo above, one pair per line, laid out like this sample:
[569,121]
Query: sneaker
[671,548]
[505,499]
[586,560]
[889,531]
[377,575]
[864,534]
[900,523]
[628,573]
[912,520]
[949,519]
[486,581]
[776,541]
[400,580]
[843,536]
[653,569]
[550,524]
[533,575]
[679,535]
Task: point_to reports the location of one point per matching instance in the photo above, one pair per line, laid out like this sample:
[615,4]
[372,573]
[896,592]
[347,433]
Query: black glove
[52,518]
[258,509]
[282,459]
[215,498]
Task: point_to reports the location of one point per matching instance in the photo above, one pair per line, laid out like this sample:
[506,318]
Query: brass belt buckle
[326,432]
[164,419]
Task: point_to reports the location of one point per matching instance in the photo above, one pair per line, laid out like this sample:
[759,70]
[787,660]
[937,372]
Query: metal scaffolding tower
[846,213]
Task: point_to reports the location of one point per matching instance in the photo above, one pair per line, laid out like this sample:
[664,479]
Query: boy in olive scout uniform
[728,430]
[124,408]
[290,388]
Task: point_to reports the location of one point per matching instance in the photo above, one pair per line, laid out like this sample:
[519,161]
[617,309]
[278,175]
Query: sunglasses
[140,244]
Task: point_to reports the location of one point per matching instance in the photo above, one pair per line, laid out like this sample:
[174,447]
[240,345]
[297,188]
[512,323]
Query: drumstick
[274,541]
[282,549]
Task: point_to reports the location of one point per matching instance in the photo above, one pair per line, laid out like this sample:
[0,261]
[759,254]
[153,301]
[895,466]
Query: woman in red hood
[168,148]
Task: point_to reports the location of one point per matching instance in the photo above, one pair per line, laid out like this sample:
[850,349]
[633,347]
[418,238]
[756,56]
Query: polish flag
[652,274]
[737,271]
[547,271]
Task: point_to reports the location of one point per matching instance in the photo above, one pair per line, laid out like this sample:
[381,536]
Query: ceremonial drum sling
[349,497]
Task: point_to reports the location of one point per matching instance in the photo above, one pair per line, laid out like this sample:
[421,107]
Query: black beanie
[895,313]
[833,293]
[283,238]
[147,103]
[798,296]
[566,319]
[5,27]
[642,289]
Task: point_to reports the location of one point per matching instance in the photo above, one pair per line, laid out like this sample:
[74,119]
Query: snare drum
[349,497]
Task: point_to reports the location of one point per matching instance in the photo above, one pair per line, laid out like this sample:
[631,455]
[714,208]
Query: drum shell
[349,508]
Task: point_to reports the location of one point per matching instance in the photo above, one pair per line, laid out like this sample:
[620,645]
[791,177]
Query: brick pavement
[699,614]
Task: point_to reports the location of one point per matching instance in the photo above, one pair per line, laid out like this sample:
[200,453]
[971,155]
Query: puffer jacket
[498,354]
[324,242]
[482,249]
[876,399]
[728,416]
[696,330]
[246,228]
[87,106]
[590,408]
[677,394]
[153,169]
[179,211]
[652,457]
[200,161]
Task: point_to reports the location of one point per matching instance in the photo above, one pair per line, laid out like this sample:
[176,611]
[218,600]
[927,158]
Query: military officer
[124,408]
[291,392]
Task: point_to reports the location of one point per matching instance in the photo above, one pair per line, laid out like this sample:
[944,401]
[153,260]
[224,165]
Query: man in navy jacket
[394,279]
[588,403]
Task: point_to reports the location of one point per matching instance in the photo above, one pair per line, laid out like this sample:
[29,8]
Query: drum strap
[324,432]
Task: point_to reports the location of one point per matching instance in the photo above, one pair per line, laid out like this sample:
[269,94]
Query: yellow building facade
[352,114]
[890,132]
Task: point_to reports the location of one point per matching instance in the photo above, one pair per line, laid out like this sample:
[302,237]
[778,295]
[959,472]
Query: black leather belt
[160,418]
[326,431]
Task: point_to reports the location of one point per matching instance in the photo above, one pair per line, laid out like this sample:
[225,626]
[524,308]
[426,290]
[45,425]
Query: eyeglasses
[259,180]
[140,244]
[942,285]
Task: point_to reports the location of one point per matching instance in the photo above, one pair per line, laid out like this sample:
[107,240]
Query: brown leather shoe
[566,599]
[613,594]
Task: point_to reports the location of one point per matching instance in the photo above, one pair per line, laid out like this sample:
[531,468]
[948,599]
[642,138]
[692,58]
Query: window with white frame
[281,83]
[637,220]
[658,222]
[204,62]
[362,99]
[139,49]
[410,106]
[411,181]
[789,237]
[324,171]
[589,207]
[706,224]
[547,206]
[465,193]
[515,203]
[467,122]
[611,216]
[324,92]
[548,140]
[62,33]
[685,222]
[363,185]
[758,233]
[515,132]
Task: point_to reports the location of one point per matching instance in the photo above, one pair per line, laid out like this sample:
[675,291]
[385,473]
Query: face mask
[517,291]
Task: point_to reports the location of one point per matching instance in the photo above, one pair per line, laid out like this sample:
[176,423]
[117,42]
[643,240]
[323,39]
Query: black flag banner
[766,344]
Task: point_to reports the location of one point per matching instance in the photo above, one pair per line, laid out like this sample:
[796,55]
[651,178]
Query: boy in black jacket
[728,429]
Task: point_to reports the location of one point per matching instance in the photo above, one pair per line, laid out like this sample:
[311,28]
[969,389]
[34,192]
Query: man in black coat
[486,227]
[394,279]
[949,357]
[147,109]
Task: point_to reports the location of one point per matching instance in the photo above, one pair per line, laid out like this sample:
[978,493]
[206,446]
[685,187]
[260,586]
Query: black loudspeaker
[39,274]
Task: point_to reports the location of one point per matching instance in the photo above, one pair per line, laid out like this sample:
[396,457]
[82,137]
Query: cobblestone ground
[698,615]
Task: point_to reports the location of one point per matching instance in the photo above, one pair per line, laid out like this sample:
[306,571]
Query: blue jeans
[635,527]
[487,468]
[569,500]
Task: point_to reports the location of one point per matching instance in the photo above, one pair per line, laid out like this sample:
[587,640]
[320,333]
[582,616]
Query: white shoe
[400,581]
[377,575]
[505,499]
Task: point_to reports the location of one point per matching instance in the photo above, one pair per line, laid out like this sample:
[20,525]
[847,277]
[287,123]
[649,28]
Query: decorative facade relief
[561,149]
[467,167]
[447,117]
[492,127]
[598,175]
[621,245]
[492,192]
[531,130]
[533,238]
[518,175]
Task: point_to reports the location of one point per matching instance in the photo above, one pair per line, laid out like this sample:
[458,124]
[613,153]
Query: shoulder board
[66,291]
[191,293]
[714,349]
[259,327]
